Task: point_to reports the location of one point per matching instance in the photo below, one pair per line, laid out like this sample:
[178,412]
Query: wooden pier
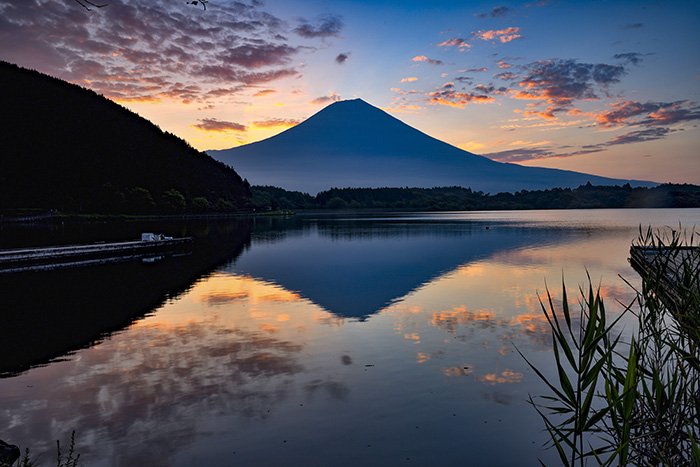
[44,258]
[672,272]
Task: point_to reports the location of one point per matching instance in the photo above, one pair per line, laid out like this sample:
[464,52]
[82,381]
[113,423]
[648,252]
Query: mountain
[67,148]
[354,144]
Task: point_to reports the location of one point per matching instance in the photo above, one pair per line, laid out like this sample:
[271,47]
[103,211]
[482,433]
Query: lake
[373,339]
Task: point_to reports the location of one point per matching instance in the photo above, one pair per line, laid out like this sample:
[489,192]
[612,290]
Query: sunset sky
[611,88]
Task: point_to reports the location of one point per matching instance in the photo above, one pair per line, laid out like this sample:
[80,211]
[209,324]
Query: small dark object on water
[9,453]
[369,365]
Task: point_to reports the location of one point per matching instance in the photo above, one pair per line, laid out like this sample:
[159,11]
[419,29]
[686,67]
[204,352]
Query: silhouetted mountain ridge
[65,147]
[354,144]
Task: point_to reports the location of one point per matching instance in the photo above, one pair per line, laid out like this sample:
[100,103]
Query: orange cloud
[409,79]
[276,122]
[264,92]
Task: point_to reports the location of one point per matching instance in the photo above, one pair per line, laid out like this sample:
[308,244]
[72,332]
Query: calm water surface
[315,340]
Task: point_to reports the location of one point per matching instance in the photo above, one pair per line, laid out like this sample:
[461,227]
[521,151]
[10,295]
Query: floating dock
[45,258]
[672,272]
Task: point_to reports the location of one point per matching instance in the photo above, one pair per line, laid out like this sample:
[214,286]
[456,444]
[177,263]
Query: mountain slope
[354,144]
[68,148]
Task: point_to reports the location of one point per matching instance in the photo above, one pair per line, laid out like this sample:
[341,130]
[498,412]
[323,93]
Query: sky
[605,87]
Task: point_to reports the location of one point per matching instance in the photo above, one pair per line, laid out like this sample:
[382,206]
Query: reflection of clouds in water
[450,320]
[498,397]
[412,336]
[222,289]
[457,371]
[505,377]
[155,384]
[222,298]
[334,389]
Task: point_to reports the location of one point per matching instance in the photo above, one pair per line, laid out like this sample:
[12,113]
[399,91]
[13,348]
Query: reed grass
[68,459]
[628,402]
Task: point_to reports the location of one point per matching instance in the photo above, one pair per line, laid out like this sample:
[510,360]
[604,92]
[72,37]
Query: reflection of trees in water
[49,314]
[151,390]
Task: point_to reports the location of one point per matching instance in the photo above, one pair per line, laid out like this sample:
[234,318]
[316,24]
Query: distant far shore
[465,199]
[274,201]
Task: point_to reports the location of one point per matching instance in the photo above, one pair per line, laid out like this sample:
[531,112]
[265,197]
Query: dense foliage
[66,148]
[458,198]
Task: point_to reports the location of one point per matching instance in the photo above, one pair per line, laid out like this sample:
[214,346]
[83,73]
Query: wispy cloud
[423,58]
[458,42]
[276,122]
[634,58]
[324,26]
[325,100]
[212,124]
[632,25]
[502,35]
[409,79]
[264,92]
[497,12]
[639,136]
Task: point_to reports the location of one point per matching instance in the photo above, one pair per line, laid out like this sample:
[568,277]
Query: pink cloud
[502,35]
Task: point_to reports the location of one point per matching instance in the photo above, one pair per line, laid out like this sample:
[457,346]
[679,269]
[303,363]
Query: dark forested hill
[67,148]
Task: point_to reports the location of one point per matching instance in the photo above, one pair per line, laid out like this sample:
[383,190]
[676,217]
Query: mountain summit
[354,144]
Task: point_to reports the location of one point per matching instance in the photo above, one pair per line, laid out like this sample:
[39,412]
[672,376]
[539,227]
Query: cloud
[497,12]
[560,82]
[324,100]
[423,58]
[449,96]
[490,89]
[264,92]
[409,79]
[630,57]
[524,154]
[503,65]
[212,124]
[474,70]
[639,136]
[649,113]
[325,26]
[342,57]
[149,50]
[257,55]
[455,42]
[502,35]
[521,154]
[276,122]
[506,76]
[632,25]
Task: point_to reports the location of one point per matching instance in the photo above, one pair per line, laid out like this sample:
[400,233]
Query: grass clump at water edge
[636,402]
[69,459]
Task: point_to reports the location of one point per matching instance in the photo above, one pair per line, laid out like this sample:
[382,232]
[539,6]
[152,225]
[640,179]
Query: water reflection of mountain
[355,268]
[49,314]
